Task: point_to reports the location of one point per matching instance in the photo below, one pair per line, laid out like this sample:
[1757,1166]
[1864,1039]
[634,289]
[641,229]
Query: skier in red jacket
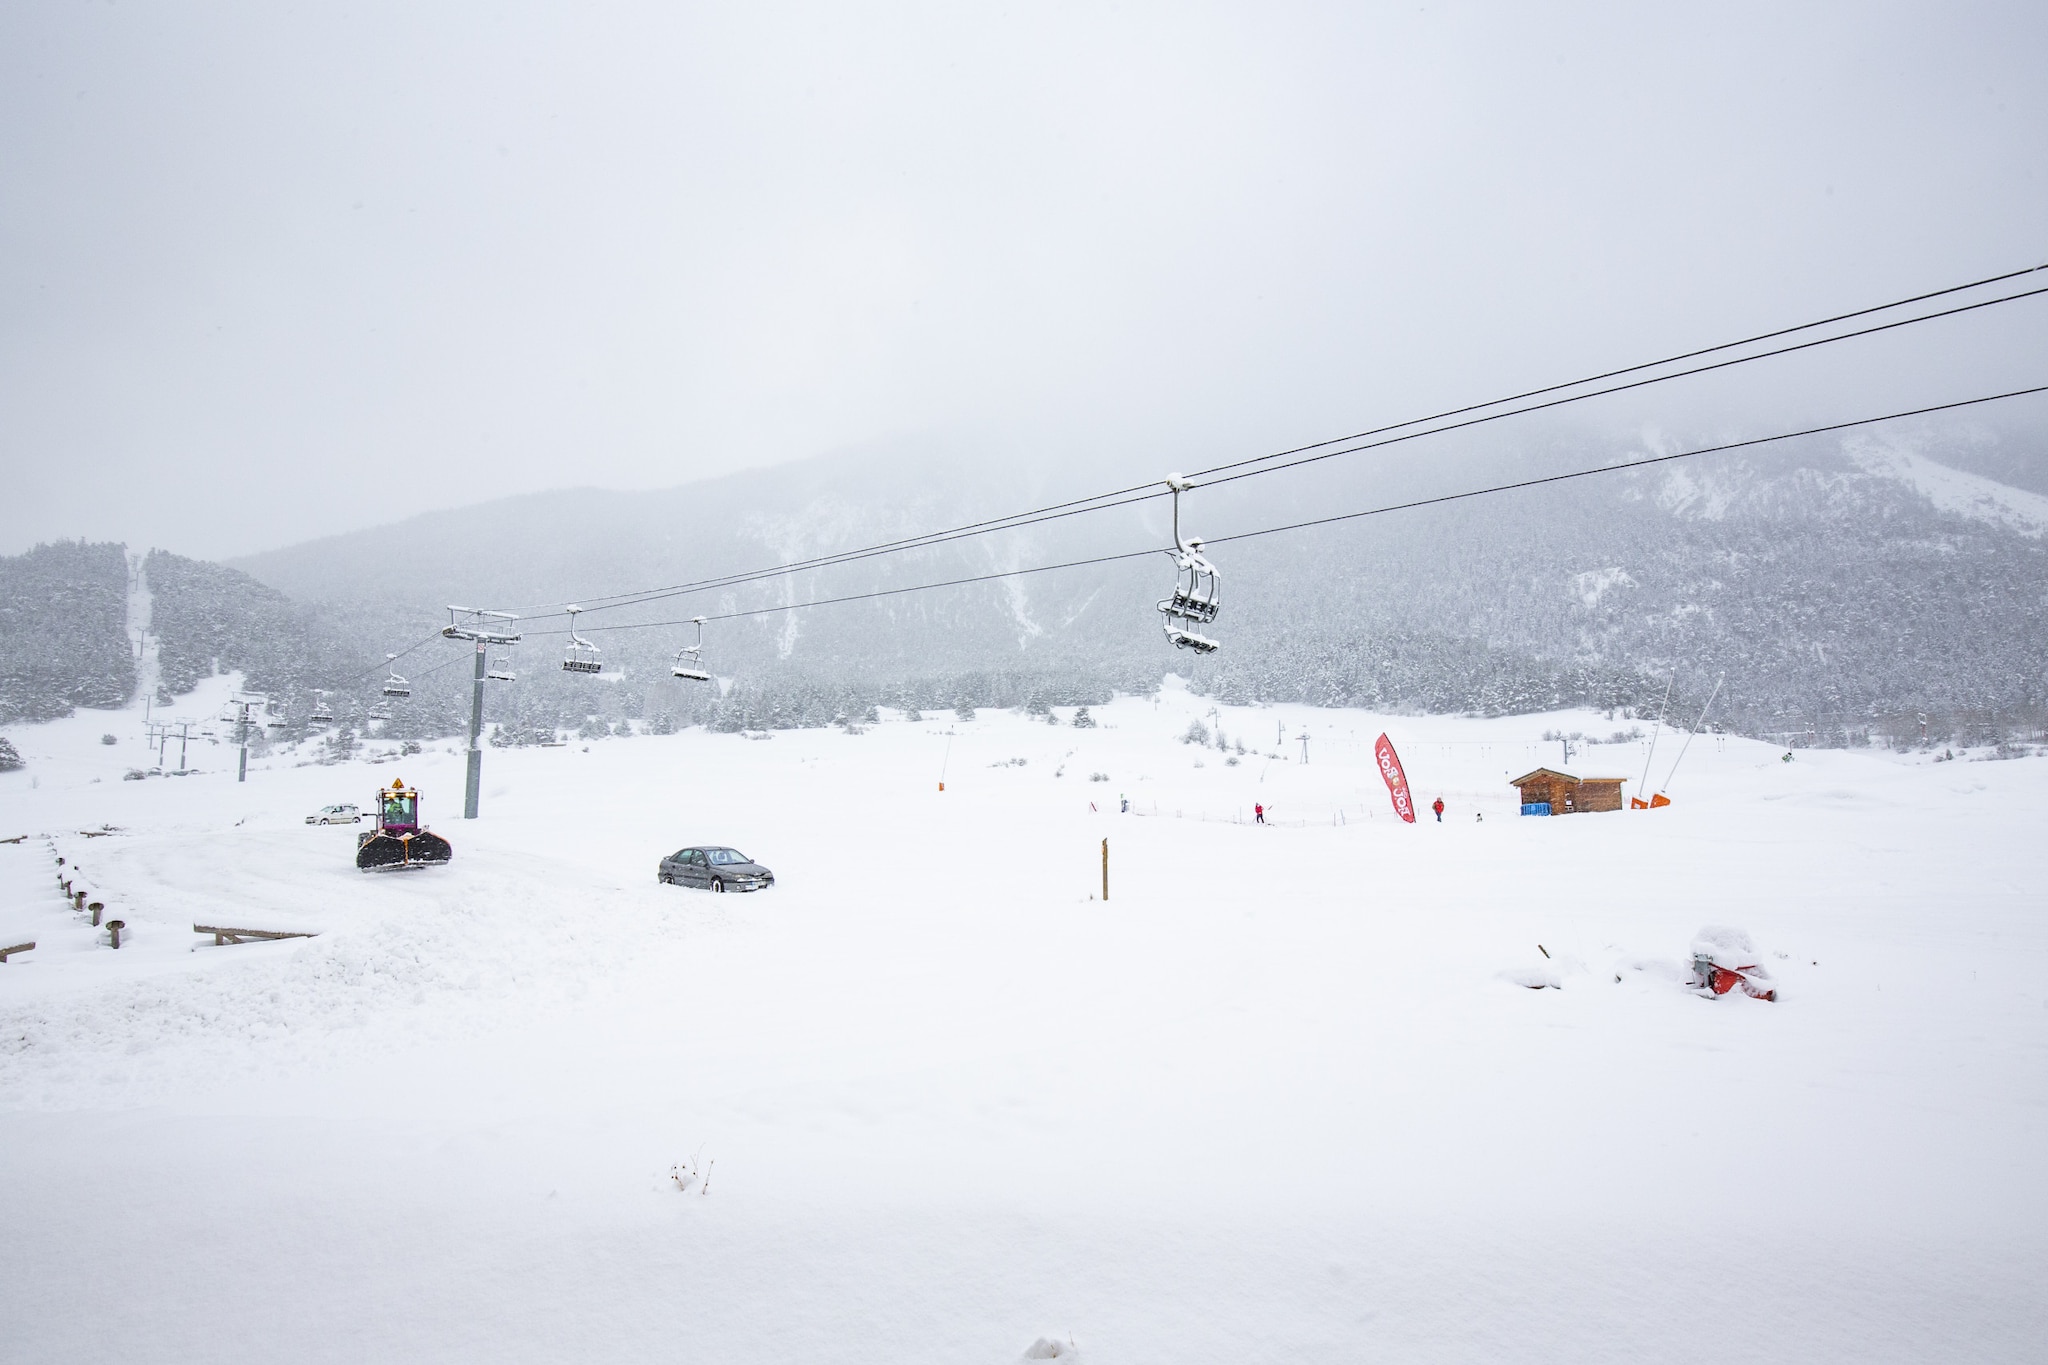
[1258,814]
[1439,809]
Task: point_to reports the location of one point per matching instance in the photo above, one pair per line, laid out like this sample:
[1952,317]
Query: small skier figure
[1258,814]
[1439,809]
[1127,804]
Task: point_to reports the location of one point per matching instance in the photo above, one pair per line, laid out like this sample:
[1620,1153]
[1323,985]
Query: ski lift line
[390,659]
[869,596]
[1647,460]
[1244,473]
[1341,517]
[1147,491]
[1653,364]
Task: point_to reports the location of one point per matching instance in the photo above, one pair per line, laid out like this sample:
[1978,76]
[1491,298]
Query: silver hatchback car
[714,869]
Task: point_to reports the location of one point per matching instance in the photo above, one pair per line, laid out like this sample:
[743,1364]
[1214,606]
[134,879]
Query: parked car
[716,869]
[335,815]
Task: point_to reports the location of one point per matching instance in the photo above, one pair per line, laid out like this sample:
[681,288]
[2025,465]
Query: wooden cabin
[1550,792]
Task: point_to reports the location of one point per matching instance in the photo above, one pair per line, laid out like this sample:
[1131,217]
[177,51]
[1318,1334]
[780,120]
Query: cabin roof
[1563,777]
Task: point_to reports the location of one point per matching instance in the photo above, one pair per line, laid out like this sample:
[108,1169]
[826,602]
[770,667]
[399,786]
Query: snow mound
[1535,978]
[1046,1348]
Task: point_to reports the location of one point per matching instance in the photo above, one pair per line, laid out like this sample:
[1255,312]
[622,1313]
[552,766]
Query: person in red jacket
[1258,814]
[1439,809]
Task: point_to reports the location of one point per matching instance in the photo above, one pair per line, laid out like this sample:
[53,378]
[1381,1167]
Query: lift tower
[484,629]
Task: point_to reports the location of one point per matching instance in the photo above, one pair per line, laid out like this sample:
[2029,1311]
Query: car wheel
[718,885]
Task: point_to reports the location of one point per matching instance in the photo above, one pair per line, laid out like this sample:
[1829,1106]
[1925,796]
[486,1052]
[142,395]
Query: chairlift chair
[395,686]
[1197,589]
[689,659]
[581,655]
[500,669]
[320,714]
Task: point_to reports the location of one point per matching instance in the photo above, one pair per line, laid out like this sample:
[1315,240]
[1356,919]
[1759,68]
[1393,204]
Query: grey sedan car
[717,869]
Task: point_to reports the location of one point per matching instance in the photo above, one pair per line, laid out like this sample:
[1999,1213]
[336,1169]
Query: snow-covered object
[1723,958]
[1047,1348]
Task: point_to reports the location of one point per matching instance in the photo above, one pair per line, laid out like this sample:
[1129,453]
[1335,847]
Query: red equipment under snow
[1724,959]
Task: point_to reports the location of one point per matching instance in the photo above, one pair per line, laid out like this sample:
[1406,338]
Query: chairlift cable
[1673,360]
[1599,393]
[1147,491]
[1516,486]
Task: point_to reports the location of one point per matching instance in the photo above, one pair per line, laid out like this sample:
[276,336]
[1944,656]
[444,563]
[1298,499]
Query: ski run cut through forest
[1330,1087]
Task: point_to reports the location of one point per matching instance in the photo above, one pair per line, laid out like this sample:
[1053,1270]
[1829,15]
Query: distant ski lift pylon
[1197,588]
[690,658]
[581,655]
[395,686]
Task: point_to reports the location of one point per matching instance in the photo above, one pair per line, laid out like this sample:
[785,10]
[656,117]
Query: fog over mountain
[657,294]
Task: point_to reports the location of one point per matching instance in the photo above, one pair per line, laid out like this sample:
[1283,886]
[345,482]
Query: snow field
[1274,1100]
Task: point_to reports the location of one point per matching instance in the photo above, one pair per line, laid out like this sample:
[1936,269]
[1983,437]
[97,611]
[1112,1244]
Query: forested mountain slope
[1844,589]
[63,630]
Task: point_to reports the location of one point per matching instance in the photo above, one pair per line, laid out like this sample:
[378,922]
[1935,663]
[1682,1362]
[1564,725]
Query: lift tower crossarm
[479,626]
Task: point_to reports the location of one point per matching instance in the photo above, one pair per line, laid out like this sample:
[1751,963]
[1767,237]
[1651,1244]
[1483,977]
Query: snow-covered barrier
[84,896]
[1725,959]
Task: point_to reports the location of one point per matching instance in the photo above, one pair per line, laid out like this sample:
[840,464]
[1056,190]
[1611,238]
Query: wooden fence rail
[223,935]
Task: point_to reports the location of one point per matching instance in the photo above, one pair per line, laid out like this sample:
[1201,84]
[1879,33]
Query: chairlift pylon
[690,658]
[395,686]
[581,655]
[1197,588]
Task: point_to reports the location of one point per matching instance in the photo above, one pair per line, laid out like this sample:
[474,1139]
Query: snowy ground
[1278,1099]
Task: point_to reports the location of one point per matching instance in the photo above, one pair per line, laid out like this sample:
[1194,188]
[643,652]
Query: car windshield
[723,856]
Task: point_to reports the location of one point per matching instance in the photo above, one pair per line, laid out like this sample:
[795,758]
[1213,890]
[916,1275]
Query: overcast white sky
[270,271]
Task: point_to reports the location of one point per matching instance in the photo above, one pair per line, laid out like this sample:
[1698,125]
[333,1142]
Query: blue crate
[1535,808]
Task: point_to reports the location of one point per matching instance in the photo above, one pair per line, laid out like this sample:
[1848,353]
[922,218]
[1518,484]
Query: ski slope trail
[1286,1095]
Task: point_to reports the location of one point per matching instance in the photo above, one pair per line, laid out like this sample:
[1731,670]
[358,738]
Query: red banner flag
[1397,781]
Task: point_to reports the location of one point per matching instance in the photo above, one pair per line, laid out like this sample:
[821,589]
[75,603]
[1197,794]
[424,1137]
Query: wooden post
[96,907]
[114,928]
[1105,869]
